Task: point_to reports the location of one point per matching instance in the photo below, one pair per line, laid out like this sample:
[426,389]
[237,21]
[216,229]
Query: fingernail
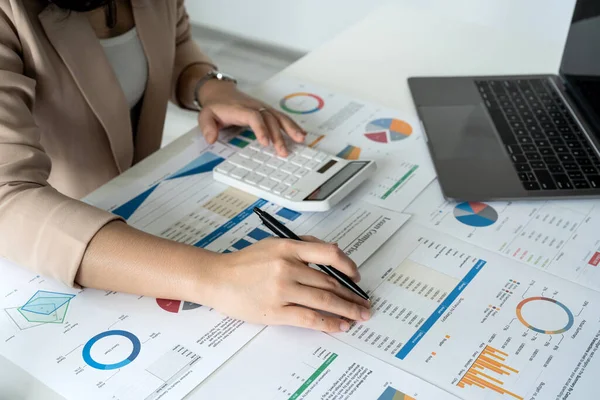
[344,326]
[365,315]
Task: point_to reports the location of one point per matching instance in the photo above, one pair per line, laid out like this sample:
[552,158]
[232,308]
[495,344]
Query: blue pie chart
[475,214]
[87,350]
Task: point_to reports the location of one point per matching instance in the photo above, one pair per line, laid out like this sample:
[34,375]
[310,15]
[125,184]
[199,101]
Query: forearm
[124,259]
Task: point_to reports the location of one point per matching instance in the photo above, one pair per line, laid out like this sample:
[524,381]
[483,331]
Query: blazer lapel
[158,41]
[76,43]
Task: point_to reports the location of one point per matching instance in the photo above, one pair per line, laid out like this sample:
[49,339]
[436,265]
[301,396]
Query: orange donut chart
[568,326]
[286,107]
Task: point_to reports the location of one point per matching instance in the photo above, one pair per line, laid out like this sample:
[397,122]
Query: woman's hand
[271,283]
[224,105]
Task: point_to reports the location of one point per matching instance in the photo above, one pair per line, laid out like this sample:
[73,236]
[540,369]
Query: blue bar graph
[258,234]
[241,244]
[437,314]
[288,214]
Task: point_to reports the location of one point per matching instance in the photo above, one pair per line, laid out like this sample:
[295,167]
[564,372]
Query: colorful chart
[392,394]
[350,153]
[568,325]
[174,306]
[302,103]
[477,215]
[386,130]
[87,350]
[489,371]
[42,308]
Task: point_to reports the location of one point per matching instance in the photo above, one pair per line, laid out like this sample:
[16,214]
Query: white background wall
[305,24]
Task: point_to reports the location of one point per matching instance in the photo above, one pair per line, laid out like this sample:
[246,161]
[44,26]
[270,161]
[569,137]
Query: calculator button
[280,188]
[236,159]
[289,168]
[312,165]
[248,164]
[275,162]
[290,193]
[261,158]
[255,147]
[239,173]
[268,184]
[320,157]
[253,178]
[308,153]
[279,176]
[264,170]
[290,180]
[248,153]
[225,167]
[298,160]
[301,173]
[269,151]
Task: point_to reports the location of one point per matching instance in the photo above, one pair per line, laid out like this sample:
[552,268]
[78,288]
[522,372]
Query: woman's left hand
[224,105]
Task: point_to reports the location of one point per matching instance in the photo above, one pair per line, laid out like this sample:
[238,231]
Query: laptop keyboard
[545,143]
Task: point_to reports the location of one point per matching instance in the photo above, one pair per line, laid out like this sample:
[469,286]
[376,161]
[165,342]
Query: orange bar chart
[488,372]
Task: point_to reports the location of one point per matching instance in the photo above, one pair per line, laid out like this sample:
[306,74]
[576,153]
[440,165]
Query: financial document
[478,324]
[316,366]
[560,237]
[353,129]
[104,345]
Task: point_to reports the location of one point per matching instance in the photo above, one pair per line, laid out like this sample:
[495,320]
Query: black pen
[283,232]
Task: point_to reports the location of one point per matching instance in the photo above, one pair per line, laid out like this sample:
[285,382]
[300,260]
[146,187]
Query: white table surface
[372,60]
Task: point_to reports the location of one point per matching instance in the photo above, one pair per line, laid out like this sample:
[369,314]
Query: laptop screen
[581,60]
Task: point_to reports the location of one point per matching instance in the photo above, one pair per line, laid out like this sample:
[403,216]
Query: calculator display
[337,181]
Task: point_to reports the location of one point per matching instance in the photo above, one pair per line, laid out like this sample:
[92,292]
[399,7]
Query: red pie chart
[174,306]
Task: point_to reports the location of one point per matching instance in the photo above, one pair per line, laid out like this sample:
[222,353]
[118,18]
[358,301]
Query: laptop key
[589,170]
[529,147]
[545,179]
[542,143]
[570,166]
[531,186]
[525,140]
[514,149]
[537,165]
[584,162]
[523,176]
[533,156]
[518,158]
[523,167]
[556,169]
[551,160]
[562,181]
[546,151]
[575,175]
[561,149]
[581,184]
[594,181]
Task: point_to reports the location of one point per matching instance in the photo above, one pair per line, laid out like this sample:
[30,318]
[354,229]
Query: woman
[84,86]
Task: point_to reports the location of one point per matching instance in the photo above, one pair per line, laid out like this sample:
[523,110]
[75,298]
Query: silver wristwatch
[214,74]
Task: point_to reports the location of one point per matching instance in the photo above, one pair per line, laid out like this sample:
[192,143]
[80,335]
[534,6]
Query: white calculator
[306,180]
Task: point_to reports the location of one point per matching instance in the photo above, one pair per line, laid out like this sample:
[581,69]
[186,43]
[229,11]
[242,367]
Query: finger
[208,126]
[324,300]
[328,254]
[310,277]
[256,122]
[275,131]
[311,319]
[290,126]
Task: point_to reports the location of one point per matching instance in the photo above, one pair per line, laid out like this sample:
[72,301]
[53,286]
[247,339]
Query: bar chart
[488,370]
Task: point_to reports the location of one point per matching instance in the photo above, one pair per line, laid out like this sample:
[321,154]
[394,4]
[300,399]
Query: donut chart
[302,103]
[569,314]
[87,350]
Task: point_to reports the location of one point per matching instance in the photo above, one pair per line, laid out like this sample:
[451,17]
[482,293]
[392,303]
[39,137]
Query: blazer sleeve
[40,228]
[187,52]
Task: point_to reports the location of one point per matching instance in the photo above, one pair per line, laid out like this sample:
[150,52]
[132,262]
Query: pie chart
[386,130]
[174,306]
[477,215]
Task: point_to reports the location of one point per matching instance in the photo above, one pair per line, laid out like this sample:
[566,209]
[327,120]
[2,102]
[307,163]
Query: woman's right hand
[270,283]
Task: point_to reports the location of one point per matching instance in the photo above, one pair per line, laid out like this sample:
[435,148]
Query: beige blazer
[65,127]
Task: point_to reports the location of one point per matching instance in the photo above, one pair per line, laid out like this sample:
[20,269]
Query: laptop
[515,137]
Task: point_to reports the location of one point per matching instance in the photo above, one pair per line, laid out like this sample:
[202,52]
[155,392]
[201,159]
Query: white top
[128,60]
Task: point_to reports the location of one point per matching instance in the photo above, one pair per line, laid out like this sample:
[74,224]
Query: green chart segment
[313,377]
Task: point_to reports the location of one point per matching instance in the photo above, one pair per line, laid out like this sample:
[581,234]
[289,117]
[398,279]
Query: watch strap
[214,74]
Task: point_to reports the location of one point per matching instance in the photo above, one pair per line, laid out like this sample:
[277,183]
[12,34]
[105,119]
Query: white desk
[372,61]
